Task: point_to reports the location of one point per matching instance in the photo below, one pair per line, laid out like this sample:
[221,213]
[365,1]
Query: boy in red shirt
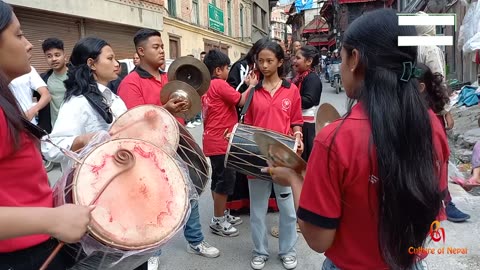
[220,114]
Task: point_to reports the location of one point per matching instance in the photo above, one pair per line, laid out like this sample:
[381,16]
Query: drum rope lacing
[122,158]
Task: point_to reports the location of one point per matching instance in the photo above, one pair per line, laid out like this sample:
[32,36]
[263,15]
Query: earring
[351,70]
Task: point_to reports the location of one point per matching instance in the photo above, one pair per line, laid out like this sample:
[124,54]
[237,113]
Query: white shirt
[22,88]
[76,117]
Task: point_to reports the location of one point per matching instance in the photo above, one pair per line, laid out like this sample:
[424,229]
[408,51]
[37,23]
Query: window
[255,14]
[174,43]
[196,12]
[172,9]
[264,19]
[241,21]
[229,8]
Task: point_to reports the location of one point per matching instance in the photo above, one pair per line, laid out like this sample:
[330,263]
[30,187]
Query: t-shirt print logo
[286,104]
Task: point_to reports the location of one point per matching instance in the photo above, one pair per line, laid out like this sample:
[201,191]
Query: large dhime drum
[156,125]
[141,194]
[243,154]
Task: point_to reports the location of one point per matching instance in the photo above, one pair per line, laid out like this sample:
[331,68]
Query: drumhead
[150,123]
[230,141]
[141,207]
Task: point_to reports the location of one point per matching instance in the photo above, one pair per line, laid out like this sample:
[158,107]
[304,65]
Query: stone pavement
[236,252]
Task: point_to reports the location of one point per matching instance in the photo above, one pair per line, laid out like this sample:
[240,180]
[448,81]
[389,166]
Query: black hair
[215,58]
[143,35]
[311,53]
[8,103]
[408,193]
[202,53]
[52,43]
[435,94]
[277,50]
[252,53]
[80,77]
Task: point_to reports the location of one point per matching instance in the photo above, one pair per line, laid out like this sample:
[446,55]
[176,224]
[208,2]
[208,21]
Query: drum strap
[247,104]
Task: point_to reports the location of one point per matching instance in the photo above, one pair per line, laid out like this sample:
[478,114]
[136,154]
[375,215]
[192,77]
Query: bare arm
[245,96]
[45,99]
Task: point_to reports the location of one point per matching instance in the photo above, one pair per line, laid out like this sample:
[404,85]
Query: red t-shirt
[140,88]
[278,113]
[219,114]
[340,189]
[23,182]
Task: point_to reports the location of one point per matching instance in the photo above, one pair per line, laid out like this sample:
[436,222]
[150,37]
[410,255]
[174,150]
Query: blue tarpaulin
[303,4]
[467,96]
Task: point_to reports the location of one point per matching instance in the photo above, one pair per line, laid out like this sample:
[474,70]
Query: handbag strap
[247,104]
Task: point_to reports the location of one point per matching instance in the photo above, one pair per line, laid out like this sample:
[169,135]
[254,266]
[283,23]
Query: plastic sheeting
[90,253]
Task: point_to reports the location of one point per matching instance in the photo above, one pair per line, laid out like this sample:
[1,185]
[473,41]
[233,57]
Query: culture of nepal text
[441,250]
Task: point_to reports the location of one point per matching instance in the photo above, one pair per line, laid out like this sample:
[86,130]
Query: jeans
[328,265]
[259,194]
[193,229]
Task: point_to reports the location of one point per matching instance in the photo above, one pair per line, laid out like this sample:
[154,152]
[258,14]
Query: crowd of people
[375,181]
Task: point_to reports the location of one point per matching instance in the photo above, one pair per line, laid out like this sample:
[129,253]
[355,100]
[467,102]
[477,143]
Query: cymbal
[279,153]
[183,91]
[325,115]
[192,71]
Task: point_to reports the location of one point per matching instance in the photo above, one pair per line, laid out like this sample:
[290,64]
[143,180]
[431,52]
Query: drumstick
[123,158]
[149,116]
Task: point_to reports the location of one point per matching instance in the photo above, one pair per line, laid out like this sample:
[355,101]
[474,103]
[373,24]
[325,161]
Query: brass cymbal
[325,115]
[182,91]
[279,153]
[192,71]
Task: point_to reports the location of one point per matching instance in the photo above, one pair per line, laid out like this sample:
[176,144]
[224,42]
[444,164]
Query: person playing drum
[372,187]
[142,86]
[276,105]
[27,217]
[220,115]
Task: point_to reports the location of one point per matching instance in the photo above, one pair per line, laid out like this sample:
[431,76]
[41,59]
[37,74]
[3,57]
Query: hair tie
[409,71]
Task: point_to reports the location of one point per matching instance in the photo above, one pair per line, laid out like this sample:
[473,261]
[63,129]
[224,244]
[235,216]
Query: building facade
[260,19]
[116,21]
[278,23]
[193,26]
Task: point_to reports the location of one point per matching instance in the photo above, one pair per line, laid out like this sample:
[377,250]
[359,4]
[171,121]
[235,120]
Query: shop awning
[317,25]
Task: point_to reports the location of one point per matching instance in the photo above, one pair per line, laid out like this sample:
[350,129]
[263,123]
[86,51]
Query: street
[236,252]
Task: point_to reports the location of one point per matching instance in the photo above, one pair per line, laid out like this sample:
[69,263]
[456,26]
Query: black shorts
[223,179]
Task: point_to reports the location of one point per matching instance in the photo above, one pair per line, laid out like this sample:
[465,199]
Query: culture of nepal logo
[437,234]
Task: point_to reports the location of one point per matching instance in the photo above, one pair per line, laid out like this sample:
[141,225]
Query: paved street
[236,252]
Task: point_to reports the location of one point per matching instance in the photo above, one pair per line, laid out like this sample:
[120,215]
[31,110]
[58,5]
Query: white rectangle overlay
[425,41]
[426,20]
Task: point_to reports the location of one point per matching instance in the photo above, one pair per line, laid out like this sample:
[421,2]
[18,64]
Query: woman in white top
[89,106]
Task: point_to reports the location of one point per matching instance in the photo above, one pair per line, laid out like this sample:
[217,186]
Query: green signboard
[215,18]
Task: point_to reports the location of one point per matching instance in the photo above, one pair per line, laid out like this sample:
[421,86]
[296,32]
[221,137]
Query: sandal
[467,185]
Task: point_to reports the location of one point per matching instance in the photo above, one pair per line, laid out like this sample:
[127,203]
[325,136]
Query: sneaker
[203,249]
[232,219]
[258,262]
[223,228]
[455,215]
[289,261]
[153,263]
[197,123]
[190,125]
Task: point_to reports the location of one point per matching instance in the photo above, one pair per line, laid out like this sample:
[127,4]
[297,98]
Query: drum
[156,125]
[243,154]
[141,197]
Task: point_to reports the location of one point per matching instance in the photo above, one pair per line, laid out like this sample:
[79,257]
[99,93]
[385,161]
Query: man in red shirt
[143,86]
[220,114]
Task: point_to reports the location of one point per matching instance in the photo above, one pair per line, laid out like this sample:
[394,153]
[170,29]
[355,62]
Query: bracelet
[298,132]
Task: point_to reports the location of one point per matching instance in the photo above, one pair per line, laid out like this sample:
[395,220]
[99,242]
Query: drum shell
[243,154]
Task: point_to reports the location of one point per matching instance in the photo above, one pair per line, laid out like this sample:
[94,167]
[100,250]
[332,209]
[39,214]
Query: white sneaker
[153,263]
[203,249]
[258,262]
[232,219]
[223,228]
[289,261]
[190,125]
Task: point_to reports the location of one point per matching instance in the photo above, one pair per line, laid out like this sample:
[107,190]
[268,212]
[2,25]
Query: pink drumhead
[141,207]
[150,123]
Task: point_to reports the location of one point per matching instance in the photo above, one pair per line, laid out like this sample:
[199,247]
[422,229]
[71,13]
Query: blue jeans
[193,229]
[259,195]
[328,265]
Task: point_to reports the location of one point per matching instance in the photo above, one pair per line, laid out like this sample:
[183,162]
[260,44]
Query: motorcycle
[335,79]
